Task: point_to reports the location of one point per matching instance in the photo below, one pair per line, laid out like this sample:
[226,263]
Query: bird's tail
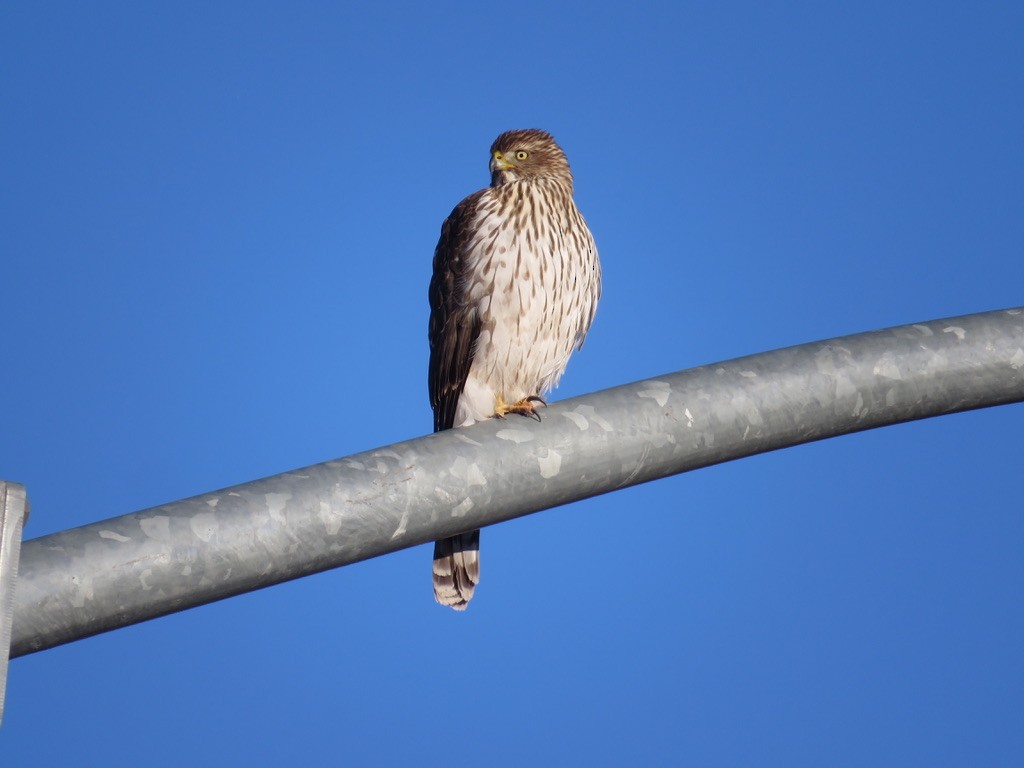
[456,569]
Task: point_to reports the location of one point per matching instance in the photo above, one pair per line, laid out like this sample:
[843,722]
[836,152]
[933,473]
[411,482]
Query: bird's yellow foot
[524,407]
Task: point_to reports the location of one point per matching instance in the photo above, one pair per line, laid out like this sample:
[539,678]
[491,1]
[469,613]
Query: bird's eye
[521,155]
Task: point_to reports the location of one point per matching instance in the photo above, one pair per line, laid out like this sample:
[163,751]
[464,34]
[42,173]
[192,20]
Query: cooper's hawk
[515,287]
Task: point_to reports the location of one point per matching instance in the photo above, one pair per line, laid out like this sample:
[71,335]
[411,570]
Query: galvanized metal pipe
[128,569]
[13,511]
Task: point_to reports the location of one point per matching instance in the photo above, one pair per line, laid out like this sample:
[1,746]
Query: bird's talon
[524,407]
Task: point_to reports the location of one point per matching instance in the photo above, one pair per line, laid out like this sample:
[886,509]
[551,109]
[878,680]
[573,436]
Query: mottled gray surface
[127,569]
[13,512]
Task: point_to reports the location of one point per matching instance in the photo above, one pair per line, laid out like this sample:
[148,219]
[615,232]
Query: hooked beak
[500,163]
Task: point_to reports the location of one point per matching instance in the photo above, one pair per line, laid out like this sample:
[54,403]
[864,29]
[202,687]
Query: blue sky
[218,222]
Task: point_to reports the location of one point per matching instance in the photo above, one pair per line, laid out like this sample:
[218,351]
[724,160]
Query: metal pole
[13,512]
[128,569]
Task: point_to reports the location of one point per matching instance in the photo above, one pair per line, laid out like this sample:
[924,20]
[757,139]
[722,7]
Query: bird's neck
[506,178]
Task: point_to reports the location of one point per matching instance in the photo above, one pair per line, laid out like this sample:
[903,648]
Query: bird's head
[528,155]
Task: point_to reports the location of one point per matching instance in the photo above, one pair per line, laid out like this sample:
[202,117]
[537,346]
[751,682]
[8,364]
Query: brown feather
[454,326]
[456,569]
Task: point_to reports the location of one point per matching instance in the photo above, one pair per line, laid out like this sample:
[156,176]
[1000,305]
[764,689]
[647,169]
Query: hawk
[514,290]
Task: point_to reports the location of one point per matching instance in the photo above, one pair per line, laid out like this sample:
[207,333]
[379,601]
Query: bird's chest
[522,285]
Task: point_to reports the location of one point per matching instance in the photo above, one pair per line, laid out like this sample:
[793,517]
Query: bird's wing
[454,324]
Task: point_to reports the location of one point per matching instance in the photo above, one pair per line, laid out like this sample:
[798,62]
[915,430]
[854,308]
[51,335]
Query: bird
[515,285]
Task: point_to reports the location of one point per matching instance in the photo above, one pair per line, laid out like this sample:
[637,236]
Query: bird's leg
[524,407]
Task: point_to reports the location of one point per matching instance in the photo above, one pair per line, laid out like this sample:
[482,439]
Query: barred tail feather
[456,569]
